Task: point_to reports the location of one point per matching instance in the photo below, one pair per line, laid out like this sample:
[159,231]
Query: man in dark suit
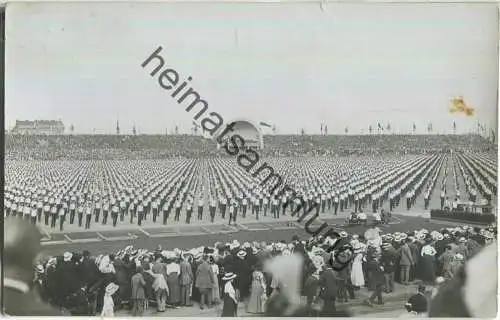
[21,245]
[186,280]
[328,290]
[377,277]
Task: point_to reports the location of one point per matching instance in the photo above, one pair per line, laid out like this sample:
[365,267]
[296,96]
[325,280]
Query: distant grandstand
[38,127]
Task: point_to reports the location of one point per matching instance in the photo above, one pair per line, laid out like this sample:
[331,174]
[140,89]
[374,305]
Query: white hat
[343,234]
[440,280]
[428,251]
[462,240]
[52,261]
[241,253]
[67,256]
[459,256]
[228,276]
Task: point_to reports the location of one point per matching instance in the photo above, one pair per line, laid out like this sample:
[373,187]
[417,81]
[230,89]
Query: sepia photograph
[250,159]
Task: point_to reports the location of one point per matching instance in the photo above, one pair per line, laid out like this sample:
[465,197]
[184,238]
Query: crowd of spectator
[138,279]
[166,146]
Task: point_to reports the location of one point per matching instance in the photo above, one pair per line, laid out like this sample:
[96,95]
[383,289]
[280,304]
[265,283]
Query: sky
[293,65]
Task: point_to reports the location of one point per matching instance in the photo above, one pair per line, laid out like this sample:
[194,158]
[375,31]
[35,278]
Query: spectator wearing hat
[108,304]
[463,248]
[418,302]
[173,270]
[204,282]
[388,261]
[328,290]
[21,245]
[138,296]
[405,262]
[186,280]
[258,294]
[230,306]
[456,263]
[428,264]
[242,269]
[161,290]
[376,278]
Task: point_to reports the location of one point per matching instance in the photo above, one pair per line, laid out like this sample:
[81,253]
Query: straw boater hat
[241,253]
[343,234]
[386,246]
[51,262]
[67,256]
[458,256]
[228,276]
[428,251]
[440,280]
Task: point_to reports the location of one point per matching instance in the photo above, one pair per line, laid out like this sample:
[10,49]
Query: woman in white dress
[108,304]
[215,288]
[357,277]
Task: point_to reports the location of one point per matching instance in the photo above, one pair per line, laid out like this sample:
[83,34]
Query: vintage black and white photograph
[245,159]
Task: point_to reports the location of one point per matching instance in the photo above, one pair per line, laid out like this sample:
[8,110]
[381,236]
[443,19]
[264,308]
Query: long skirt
[174,289]
[216,292]
[230,308]
[255,305]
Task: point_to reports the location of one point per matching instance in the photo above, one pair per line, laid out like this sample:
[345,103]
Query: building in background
[38,127]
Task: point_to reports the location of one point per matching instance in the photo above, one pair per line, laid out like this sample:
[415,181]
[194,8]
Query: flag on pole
[326,129]
[346,130]
[370,129]
[414,127]
[454,126]
[379,126]
[321,128]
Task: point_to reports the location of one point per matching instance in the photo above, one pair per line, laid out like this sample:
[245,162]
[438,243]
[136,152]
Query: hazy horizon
[294,65]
